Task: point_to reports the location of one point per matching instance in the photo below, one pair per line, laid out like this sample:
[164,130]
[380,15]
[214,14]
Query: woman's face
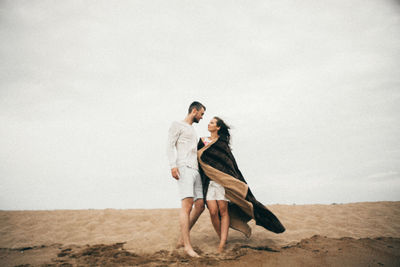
[212,126]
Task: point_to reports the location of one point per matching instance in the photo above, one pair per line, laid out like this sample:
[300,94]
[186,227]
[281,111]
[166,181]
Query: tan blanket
[218,164]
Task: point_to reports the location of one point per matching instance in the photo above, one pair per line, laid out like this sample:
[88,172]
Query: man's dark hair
[196,105]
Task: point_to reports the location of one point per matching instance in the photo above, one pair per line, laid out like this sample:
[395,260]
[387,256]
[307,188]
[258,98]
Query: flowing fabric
[217,163]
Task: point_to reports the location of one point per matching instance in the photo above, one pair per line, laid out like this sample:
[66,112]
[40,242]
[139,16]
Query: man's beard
[195,120]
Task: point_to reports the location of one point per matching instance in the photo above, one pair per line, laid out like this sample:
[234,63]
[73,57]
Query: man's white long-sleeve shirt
[182,145]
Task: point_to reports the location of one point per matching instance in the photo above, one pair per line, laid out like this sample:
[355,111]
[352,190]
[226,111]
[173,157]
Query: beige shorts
[216,192]
[189,183]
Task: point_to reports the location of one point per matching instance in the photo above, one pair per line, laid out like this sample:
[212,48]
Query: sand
[356,234]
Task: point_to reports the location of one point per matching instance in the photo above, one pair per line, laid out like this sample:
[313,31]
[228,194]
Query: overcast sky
[88,90]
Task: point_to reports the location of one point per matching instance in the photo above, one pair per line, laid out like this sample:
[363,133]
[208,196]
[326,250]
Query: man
[182,156]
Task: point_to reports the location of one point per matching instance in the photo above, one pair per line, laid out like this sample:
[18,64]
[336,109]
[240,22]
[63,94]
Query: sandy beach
[356,234]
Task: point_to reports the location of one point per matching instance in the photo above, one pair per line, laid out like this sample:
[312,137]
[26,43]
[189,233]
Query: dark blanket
[217,163]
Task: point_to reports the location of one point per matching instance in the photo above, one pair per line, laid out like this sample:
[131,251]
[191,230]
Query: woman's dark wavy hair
[223,132]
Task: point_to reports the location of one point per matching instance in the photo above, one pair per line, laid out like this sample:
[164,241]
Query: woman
[214,193]
[226,193]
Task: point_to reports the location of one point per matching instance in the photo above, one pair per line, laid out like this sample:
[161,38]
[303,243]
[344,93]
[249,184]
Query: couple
[207,171]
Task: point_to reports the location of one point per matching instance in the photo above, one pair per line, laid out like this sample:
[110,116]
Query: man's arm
[173,135]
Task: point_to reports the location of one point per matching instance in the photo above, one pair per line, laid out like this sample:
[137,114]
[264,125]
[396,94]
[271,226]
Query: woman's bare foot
[221,248]
[192,253]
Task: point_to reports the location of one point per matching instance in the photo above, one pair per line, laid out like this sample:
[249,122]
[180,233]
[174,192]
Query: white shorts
[216,192]
[189,183]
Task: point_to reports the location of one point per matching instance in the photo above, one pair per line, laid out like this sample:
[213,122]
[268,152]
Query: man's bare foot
[192,253]
[179,244]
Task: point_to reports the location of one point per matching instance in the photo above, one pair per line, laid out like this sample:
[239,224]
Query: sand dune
[149,236]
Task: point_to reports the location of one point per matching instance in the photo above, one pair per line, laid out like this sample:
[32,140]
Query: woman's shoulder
[205,140]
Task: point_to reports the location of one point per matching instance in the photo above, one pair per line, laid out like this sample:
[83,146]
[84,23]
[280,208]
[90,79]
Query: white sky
[88,90]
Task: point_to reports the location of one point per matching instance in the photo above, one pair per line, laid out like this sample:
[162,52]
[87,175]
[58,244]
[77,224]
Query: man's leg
[196,212]
[194,215]
[184,217]
[199,201]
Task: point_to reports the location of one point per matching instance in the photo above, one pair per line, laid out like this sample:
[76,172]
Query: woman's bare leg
[223,211]
[213,209]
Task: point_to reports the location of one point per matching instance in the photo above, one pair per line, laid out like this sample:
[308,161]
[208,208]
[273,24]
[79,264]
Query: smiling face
[198,115]
[212,126]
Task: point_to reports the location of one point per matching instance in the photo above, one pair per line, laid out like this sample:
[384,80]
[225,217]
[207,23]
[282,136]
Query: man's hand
[175,173]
